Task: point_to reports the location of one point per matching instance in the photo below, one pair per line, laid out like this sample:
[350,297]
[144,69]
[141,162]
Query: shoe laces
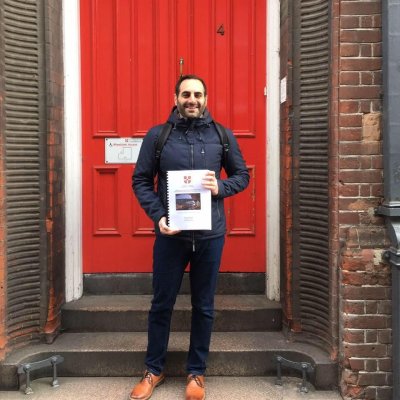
[196,379]
[147,375]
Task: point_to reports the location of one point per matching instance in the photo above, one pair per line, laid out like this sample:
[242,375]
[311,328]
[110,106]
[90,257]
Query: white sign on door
[122,150]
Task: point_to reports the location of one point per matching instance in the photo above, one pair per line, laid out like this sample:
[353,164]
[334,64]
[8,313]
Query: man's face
[191,100]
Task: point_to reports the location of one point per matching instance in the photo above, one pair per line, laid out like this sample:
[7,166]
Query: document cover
[189,204]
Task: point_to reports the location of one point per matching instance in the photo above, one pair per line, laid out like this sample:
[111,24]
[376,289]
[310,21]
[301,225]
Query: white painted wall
[73,151]
[273,150]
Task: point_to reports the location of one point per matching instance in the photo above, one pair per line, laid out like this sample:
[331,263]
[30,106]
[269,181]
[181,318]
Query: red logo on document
[187,179]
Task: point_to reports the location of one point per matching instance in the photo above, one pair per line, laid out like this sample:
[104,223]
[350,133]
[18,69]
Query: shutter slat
[23,161]
[311,217]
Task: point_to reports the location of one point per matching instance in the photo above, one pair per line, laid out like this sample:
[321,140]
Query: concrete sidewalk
[218,388]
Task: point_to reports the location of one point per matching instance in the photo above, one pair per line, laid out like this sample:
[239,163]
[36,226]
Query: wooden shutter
[311,175]
[25,159]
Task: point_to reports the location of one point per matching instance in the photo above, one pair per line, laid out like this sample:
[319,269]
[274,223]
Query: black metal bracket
[304,367]
[26,369]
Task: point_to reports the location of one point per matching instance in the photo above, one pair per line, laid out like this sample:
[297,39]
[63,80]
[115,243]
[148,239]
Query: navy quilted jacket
[192,144]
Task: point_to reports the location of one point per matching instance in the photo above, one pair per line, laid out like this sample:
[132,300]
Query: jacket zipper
[192,162]
[204,158]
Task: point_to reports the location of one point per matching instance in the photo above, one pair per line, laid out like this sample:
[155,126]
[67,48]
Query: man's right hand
[164,228]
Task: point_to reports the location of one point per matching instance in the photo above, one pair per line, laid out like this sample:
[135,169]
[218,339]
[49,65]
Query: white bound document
[189,204]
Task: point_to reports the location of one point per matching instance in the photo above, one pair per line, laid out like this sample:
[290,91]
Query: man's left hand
[210,182]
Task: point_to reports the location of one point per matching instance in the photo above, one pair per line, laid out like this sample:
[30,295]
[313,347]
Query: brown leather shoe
[144,389]
[195,389]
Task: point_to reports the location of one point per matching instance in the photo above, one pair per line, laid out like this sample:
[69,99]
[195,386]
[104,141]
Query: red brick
[367,78]
[370,393]
[356,204]
[367,322]
[360,92]
[353,336]
[371,336]
[349,78]
[377,49]
[370,219]
[365,350]
[349,190]
[357,148]
[376,190]
[348,22]
[366,162]
[349,106]
[361,64]
[356,364]
[361,36]
[377,21]
[385,364]
[371,307]
[365,293]
[360,7]
[383,393]
[371,365]
[361,278]
[354,307]
[367,21]
[385,307]
[366,50]
[350,120]
[348,218]
[350,50]
[372,379]
[349,163]
[376,106]
[350,134]
[377,77]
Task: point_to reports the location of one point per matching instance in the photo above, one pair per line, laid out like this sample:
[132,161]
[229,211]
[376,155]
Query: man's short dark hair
[184,78]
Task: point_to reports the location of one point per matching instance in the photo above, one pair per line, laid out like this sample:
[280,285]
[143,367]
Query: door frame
[73,150]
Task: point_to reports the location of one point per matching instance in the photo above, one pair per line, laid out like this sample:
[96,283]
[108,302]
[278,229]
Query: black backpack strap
[224,140]
[166,130]
[162,138]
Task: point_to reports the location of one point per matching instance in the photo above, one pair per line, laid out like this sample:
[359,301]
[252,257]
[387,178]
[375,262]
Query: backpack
[166,130]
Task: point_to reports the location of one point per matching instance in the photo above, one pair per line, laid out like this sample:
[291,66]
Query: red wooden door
[130,53]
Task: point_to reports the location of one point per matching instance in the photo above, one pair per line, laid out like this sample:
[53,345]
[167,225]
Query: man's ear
[175,99]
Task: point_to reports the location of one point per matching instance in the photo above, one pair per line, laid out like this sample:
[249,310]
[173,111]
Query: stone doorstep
[217,388]
[141,283]
[125,313]
[122,354]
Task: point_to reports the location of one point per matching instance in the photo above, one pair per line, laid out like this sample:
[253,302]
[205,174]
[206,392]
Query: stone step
[128,313]
[122,354]
[141,283]
[217,388]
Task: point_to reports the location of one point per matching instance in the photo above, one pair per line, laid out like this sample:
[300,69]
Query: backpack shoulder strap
[162,138]
[224,139]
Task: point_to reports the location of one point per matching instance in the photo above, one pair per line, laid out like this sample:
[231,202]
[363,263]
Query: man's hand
[210,182]
[164,228]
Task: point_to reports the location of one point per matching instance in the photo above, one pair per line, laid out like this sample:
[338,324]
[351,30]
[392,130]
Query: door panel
[130,55]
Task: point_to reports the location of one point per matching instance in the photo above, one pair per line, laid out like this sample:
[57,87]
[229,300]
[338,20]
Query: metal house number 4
[221,30]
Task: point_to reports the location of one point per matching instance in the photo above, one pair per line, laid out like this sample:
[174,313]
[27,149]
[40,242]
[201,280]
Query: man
[193,143]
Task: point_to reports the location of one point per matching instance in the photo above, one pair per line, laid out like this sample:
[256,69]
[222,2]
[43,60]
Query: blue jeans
[170,258]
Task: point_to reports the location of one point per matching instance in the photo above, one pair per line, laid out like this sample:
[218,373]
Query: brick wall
[55,217]
[286,216]
[365,309]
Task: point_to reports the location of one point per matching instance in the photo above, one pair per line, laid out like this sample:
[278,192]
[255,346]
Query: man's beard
[182,108]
